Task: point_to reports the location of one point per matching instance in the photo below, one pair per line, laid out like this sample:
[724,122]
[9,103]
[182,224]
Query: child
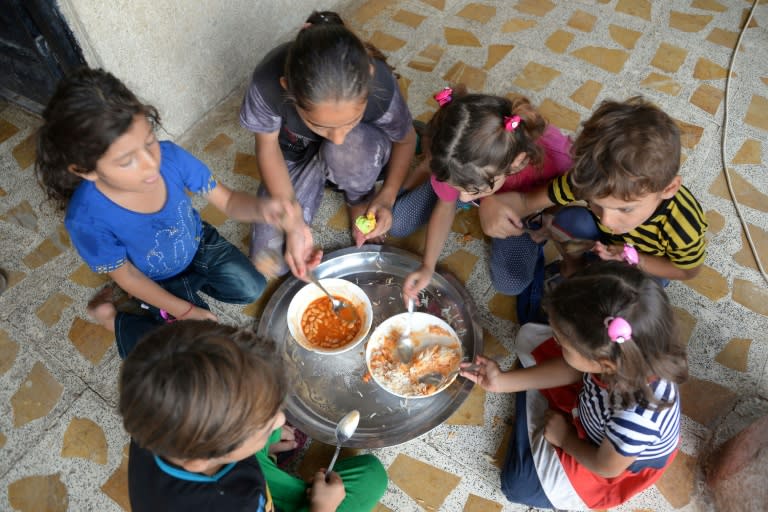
[128,215]
[325,106]
[597,405]
[202,403]
[626,161]
[481,145]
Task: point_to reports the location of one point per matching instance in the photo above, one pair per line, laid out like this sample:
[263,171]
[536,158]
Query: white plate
[421,337]
[336,287]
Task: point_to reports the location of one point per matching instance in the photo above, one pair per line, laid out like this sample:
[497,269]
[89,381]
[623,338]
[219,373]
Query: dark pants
[219,269]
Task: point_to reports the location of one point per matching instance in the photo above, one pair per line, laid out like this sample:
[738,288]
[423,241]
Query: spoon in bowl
[405,343]
[344,430]
[336,304]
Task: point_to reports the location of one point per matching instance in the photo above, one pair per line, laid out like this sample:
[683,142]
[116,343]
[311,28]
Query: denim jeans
[580,223]
[219,269]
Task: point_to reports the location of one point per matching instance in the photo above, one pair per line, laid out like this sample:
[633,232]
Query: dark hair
[625,149]
[198,389]
[328,62]
[470,146]
[88,111]
[579,306]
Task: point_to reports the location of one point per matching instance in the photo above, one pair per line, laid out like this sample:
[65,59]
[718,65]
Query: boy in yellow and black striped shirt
[626,161]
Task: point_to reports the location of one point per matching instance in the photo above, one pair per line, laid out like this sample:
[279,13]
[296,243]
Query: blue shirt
[160,244]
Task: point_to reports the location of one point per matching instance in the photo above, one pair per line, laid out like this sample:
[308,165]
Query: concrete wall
[183,56]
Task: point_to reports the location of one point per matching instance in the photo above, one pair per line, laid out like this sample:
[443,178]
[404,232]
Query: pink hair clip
[510,123]
[444,97]
[619,329]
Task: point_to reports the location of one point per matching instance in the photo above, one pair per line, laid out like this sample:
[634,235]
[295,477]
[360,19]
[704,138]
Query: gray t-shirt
[266,109]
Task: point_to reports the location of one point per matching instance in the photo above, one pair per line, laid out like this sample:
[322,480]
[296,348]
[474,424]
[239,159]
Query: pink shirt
[556,161]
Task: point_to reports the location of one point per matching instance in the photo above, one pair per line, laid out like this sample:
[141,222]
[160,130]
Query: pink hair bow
[510,123]
[444,97]
[619,329]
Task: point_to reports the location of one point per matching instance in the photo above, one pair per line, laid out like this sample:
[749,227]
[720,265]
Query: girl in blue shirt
[128,214]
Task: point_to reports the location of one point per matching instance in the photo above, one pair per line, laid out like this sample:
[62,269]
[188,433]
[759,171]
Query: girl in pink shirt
[481,145]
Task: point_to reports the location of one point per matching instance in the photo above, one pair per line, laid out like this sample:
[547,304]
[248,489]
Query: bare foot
[102,309]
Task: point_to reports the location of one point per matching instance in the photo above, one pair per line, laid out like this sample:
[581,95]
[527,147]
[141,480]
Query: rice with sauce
[403,379]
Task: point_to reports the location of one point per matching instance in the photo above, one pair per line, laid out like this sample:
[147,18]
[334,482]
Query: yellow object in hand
[366,223]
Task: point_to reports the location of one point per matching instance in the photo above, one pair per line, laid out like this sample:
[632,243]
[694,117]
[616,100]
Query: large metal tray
[326,387]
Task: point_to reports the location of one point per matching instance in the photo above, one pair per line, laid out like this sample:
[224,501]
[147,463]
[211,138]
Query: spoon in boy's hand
[344,430]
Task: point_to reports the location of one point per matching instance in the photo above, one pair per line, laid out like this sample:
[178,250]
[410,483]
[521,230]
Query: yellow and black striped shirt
[675,230]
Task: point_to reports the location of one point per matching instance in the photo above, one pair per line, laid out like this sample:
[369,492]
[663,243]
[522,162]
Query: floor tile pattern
[61,442]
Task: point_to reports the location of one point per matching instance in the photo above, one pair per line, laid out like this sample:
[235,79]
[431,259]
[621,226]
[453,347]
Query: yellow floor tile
[609,59]
[624,36]
[85,439]
[478,12]
[39,492]
[587,93]
[707,98]
[460,37]
[639,8]
[750,152]
[8,351]
[676,484]
[409,18]
[427,485]
[735,354]
[688,22]
[669,58]
[91,340]
[36,397]
[559,41]
[116,487]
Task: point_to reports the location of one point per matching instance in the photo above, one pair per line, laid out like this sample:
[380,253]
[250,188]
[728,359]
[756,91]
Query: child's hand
[326,496]
[383,216]
[285,214]
[415,282]
[556,429]
[487,373]
[197,313]
[286,443]
[609,252]
[300,253]
[499,217]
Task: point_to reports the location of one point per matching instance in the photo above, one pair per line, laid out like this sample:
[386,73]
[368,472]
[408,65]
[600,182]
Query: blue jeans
[580,223]
[219,269]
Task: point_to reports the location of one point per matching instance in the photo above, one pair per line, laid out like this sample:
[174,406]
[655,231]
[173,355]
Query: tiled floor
[61,443]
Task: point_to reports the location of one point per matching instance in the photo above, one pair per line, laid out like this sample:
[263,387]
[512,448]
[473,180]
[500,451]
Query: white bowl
[423,337]
[353,294]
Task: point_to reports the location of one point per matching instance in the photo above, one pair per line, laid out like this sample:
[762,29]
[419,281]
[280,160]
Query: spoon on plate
[344,430]
[405,343]
[437,379]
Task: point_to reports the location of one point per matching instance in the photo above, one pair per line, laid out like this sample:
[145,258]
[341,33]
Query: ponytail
[475,140]
[328,62]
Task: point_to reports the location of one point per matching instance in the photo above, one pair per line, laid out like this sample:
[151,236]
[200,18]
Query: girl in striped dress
[597,405]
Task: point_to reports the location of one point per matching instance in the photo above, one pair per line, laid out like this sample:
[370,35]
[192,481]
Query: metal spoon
[437,379]
[344,430]
[335,303]
[405,343]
